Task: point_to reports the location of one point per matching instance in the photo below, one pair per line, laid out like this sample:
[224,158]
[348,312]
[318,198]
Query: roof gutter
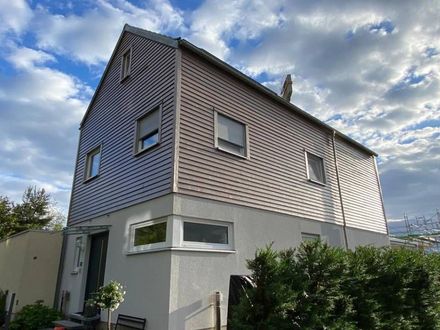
[251,82]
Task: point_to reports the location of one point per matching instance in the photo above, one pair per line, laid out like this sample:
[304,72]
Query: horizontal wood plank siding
[359,188]
[274,178]
[125,179]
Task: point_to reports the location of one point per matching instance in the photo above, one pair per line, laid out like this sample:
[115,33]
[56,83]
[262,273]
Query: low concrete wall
[29,266]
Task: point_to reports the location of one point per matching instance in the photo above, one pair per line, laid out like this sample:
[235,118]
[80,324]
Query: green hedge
[320,287]
[34,317]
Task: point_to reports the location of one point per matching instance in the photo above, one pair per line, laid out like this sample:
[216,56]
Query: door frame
[89,259]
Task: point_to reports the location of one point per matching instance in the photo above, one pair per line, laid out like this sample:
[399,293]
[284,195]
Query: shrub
[34,317]
[320,287]
[109,297]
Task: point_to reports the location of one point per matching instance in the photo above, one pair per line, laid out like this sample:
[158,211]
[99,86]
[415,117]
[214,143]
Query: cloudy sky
[369,68]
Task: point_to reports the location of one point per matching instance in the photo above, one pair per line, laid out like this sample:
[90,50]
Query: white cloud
[14,15]
[91,37]
[40,112]
[215,23]
[26,58]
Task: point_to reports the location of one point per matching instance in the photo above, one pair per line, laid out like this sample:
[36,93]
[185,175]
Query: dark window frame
[137,149]
[246,147]
[324,173]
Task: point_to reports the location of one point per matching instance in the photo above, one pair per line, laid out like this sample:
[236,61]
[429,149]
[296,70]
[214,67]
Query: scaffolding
[421,230]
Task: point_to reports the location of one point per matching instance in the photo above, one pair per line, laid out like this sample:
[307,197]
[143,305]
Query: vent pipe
[286,92]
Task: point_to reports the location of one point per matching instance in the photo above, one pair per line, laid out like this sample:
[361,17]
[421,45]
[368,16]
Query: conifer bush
[316,286]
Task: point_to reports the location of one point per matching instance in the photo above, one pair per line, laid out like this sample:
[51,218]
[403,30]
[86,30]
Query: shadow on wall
[198,315]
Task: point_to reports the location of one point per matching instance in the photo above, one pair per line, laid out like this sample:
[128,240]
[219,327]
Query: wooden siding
[274,178]
[125,179]
[360,188]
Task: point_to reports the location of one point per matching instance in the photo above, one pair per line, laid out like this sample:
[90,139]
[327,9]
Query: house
[186,166]
[29,263]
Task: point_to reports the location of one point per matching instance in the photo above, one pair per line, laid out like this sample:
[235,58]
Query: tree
[109,297]
[36,211]
[7,218]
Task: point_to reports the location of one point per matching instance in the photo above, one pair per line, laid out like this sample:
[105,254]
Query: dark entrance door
[97,257]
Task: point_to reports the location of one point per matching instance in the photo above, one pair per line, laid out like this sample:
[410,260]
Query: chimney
[286,92]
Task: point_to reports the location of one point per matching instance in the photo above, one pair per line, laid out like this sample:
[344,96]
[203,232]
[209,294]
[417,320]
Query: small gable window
[93,161]
[148,130]
[231,135]
[315,168]
[126,64]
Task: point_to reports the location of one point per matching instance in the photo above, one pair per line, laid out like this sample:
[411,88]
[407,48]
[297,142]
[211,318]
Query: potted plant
[109,297]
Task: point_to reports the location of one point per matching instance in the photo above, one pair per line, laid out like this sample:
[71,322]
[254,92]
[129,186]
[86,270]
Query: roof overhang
[85,230]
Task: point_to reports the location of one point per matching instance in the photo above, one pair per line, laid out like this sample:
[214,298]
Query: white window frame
[216,137]
[88,164]
[146,247]
[137,149]
[208,246]
[78,254]
[308,237]
[125,74]
[306,155]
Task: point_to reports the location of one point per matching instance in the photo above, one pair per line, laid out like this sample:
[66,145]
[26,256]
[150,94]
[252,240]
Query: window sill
[231,153]
[138,153]
[189,249]
[91,178]
[317,182]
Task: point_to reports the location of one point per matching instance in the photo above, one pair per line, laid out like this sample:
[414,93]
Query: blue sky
[369,68]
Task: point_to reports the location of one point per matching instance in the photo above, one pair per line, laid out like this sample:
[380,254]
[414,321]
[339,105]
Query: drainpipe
[380,193]
[60,271]
[335,156]
[217,308]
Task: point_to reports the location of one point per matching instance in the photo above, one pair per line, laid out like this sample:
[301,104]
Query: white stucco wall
[197,275]
[145,276]
[173,286]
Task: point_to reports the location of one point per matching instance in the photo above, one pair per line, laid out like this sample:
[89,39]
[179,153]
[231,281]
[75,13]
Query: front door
[96,269]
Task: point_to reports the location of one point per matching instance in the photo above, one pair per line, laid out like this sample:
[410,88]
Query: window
[310,237]
[315,168]
[148,130]
[93,162]
[146,235]
[78,255]
[126,64]
[207,234]
[231,135]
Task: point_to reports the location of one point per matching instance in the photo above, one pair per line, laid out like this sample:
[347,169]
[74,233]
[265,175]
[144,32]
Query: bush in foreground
[34,317]
[320,287]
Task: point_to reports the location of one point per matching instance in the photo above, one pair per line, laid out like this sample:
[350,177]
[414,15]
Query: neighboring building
[186,166]
[397,243]
[29,266]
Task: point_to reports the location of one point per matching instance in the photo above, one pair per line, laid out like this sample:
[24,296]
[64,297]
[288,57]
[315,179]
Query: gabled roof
[178,42]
